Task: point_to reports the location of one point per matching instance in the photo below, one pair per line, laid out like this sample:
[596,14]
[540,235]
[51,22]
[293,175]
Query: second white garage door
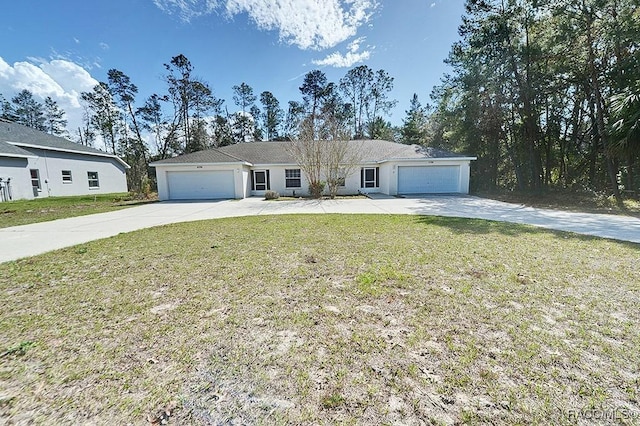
[201,185]
[428,179]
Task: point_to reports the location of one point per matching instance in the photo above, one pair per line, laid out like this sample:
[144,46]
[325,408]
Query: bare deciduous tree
[328,162]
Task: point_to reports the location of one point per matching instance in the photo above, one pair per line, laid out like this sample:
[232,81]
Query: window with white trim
[35,179]
[94,182]
[66,176]
[292,178]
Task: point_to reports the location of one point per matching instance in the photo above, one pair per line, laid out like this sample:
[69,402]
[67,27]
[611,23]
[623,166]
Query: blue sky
[60,48]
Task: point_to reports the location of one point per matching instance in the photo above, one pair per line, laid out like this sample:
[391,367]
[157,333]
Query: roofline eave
[429,159]
[72,151]
[228,163]
[4,154]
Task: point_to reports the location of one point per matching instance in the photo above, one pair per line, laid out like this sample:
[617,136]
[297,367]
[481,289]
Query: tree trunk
[600,113]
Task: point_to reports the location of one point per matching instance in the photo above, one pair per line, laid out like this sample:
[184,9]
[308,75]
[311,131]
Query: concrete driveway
[29,240]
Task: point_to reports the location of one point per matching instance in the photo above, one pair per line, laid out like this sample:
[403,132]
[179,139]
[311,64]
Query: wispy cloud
[103,46]
[187,9]
[351,57]
[339,60]
[307,24]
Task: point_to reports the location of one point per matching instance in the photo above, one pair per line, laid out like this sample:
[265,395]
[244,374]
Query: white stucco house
[35,164]
[250,169]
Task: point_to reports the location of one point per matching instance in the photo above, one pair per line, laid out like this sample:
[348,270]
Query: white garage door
[428,179]
[201,185]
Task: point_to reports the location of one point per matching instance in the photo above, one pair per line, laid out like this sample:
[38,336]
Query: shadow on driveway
[623,228]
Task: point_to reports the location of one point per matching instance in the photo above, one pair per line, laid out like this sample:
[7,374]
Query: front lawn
[323,319]
[23,212]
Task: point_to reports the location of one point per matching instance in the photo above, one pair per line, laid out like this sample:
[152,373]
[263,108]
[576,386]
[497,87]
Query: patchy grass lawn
[23,212]
[355,319]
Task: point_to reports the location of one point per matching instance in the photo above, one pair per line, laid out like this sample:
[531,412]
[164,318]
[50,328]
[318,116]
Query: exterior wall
[392,176]
[351,183]
[50,164]
[388,177]
[278,182]
[465,172]
[246,183]
[239,174]
[17,170]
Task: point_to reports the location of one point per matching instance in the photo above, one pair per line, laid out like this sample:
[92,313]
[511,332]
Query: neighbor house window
[66,176]
[93,180]
[369,177]
[35,179]
[292,178]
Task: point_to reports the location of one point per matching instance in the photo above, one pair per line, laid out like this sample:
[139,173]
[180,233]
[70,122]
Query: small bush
[271,195]
[316,189]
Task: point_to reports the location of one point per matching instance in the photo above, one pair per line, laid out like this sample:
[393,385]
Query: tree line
[188,117]
[545,93]
[25,109]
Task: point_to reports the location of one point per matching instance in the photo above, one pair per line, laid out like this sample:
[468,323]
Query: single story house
[250,169]
[35,164]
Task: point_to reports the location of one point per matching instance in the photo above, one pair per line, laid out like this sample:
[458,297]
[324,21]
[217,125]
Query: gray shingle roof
[261,152]
[8,150]
[370,151]
[23,136]
[206,156]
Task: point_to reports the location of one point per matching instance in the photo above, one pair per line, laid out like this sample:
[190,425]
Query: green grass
[354,319]
[23,212]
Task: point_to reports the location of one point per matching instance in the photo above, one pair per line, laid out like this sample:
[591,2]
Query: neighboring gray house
[35,164]
[250,169]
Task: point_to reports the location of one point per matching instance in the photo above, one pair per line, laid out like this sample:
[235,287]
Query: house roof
[8,150]
[21,137]
[202,157]
[369,151]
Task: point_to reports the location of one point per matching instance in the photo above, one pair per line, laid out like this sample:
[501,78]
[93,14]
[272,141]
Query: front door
[260,180]
[370,177]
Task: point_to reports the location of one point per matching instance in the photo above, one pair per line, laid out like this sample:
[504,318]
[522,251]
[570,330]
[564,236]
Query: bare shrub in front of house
[271,195]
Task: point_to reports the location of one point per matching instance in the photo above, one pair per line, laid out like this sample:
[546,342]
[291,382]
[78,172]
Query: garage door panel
[201,185]
[428,179]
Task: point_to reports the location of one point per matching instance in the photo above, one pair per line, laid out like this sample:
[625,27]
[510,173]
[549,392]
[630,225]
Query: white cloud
[308,24]
[337,59]
[61,79]
[354,46]
[351,57]
[104,46]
